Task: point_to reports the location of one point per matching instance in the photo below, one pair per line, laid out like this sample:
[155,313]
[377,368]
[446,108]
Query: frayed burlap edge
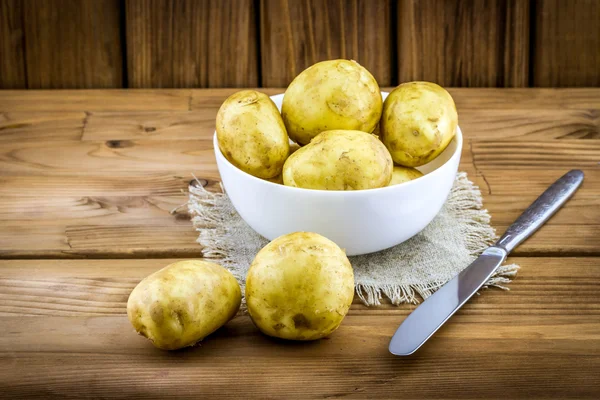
[209,211]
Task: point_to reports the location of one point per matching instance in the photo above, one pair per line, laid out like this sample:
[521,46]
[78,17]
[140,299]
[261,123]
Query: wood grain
[12,52]
[530,99]
[522,124]
[35,126]
[541,339]
[96,100]
[200,100]
[566,51]
[101,288]
[174,125]
[126,158]
[190,43]
[464,43]
[240,43]
[87,175]
[72,44]
[296,34]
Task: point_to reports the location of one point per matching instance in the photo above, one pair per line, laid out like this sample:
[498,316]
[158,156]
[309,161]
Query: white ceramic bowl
[361,222]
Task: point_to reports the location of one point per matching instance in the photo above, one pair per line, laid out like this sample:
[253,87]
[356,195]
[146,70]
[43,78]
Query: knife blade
[428,317]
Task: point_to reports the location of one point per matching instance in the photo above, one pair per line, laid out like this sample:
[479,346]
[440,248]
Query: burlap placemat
[406,273]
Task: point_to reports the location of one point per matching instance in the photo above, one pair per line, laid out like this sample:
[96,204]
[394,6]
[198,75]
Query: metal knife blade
[426,319]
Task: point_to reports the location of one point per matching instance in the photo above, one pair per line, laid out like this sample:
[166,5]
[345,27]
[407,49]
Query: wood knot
[14,126]
[118,144]
[149,129]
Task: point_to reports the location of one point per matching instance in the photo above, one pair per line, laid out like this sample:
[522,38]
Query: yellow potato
[182,303]
[335,94]
[279,178]
[251,134]
[340,160]
[418,122]
[404,174]
[299,287]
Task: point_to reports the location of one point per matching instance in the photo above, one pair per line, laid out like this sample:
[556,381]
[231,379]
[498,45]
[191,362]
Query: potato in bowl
[330,95]
[359,221]
[372,170]
[339,160]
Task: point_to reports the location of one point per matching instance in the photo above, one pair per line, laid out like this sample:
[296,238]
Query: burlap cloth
[406,273]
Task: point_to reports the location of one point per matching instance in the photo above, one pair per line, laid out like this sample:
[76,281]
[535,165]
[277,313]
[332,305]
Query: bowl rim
[457,153]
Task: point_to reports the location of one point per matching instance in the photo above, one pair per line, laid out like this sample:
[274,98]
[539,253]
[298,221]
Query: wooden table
[87,180]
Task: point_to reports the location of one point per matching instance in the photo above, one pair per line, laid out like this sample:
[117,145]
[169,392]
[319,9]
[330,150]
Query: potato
[279,178]
[419,120]
[251,134]
[404,174]
[182,303]
[340,160]
[335,94]
[299,287]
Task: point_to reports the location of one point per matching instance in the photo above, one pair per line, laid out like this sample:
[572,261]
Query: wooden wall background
[54,44]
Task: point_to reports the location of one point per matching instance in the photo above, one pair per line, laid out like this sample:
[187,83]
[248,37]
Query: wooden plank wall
[252,43]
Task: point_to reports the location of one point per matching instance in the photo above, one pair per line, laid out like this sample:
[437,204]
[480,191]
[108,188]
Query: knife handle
[541,210]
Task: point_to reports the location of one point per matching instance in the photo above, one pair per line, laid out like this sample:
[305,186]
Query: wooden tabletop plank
[31,126]
[465,98]
[95,100]
[545,327]
[240,363]
[163,241]
[479,123]
[119,100]
[101,287]
[110,215]
[90,212]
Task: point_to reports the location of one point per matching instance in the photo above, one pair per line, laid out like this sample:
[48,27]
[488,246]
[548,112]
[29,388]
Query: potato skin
[251,134]
[340,160]
[279,178]
[299,287]
[418,122]
[335,94]
[182,303]
[404,174]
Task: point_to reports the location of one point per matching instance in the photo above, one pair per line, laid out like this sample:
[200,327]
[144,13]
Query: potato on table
[418,122]
[299,287]
[340,160]
[335,94]
[251,134]
[184,302]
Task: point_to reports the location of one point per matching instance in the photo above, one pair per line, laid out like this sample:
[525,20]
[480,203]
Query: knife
[427,318]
